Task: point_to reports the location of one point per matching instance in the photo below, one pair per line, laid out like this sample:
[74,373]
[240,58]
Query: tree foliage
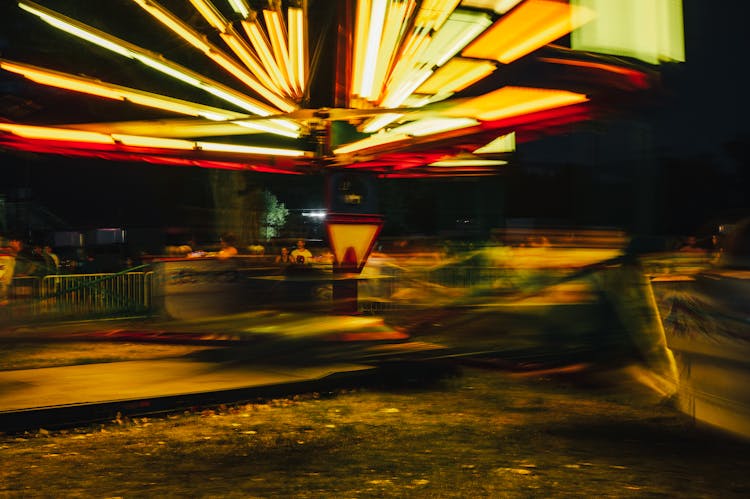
[275,215]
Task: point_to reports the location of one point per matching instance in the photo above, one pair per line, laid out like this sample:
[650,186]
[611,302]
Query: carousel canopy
[401,88]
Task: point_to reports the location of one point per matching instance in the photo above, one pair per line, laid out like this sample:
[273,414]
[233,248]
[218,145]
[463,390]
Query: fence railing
[391,287]
[79,296]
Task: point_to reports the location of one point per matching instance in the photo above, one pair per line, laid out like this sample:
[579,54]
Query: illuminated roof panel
[219,85]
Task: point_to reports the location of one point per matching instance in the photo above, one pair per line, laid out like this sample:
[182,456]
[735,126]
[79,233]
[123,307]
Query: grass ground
[475,433]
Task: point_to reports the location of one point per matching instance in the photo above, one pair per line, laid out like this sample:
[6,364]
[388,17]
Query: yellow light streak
[210,13]
[145,141]
[514,101]
[277,35]
[398,94]
[457,31]
[60,80]
[528,27]
[268,127]
[69,135]
[50,133]
[416,41]
[298,47]
[289,125]
[154,61]
[226,31]
[430,126]
[392,34]
[404,69]
[433,13]
[360,44]
[261,45]
[380,121]
[169,69]
[374,35]
[378,139]
[175,24]
[218,56]
[238,99]
[423,53]
[245,54]
[257,150]
[74,28]
[456,75]
[111,91]
[415,100]
[177,128]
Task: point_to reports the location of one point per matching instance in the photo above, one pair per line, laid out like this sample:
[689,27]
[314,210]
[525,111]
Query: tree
[244,208]
[275,215]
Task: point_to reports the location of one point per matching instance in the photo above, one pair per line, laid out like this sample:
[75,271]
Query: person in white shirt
[301,255]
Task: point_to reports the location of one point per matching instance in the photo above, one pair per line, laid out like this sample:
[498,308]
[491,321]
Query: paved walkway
[132,380]
[91,391]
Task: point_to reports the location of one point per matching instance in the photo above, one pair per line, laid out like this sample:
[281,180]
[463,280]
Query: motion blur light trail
[412,88]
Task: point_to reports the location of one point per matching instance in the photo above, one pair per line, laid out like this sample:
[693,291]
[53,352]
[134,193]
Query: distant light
[314,214]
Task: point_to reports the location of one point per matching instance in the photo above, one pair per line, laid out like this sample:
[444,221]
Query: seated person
[300,254]
[284,257]
[691,246]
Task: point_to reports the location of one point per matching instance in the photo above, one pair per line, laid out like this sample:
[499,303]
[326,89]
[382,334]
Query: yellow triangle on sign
[348,237]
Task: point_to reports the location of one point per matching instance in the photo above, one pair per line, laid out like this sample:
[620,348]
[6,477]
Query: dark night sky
[699,139]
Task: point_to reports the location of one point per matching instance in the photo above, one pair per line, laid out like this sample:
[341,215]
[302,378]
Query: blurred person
[256,249]
[52,267]
[37,263]
[24,258]
[82,262]
[13,263]
[7,268]
[715,248]
[228,246]
[691,245]
[300,254]
[325,257]
[51,260]
[284,257]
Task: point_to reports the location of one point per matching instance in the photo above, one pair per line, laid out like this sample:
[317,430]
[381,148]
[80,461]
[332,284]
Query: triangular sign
[352,240]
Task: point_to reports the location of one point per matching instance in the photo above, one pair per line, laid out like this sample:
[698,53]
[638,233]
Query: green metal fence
[79,296]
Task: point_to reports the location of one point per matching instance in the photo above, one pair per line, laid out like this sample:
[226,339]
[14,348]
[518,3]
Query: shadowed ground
[466,433]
